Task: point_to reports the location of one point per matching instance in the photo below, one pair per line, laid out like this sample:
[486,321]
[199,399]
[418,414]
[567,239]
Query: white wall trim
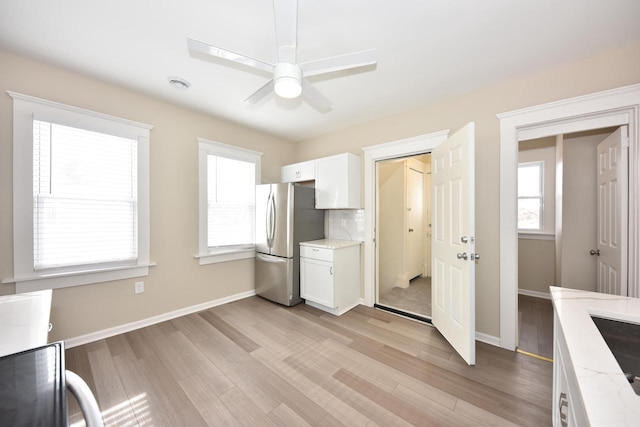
[488,339]
[527,292]
[614,107]
[128,327]
[536,236]
[400,148]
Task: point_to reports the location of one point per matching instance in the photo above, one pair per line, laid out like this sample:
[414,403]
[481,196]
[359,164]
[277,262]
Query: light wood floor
[535,325]
[254,363]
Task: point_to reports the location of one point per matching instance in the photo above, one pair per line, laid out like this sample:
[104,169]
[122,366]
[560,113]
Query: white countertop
[331,243]
[607,396]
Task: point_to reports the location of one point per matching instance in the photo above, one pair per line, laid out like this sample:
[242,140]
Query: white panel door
[612,207]
[415,237]
[453,242]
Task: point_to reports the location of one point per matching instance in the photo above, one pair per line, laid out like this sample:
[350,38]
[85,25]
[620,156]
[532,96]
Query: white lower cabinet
[330,276]
[568,409]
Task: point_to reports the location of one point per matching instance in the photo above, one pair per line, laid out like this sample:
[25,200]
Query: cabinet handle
[563,403]
[331,271]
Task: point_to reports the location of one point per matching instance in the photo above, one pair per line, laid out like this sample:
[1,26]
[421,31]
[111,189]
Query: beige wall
[536,265]
[391,224]
[536,258]
[615,68]
[177,281]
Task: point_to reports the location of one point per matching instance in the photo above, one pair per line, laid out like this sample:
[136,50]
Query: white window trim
[548,156]
[24,109]
[541,221]
[205,148]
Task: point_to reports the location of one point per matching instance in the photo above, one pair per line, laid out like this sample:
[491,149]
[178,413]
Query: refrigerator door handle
[272,259]
[272,217]
[269,220]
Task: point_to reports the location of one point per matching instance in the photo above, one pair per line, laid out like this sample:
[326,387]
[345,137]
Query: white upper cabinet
[338,182]
[298,172]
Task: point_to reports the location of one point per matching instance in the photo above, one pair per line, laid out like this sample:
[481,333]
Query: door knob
[475,257]
[464,239]
[463,256]
[595,252]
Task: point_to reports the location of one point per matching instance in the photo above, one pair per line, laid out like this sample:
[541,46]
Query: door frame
[614,107]
[401,148]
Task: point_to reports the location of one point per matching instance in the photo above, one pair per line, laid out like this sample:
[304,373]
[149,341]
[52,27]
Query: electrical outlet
[138,287]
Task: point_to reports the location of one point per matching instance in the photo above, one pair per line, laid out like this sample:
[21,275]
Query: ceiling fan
[289,77]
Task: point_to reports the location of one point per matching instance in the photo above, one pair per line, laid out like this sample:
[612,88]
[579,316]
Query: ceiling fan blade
[261,93]
[339,62]
[207,49]
[285,13]
[315,98]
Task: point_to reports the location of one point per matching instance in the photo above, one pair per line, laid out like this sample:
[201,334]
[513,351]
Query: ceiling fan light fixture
[287,80]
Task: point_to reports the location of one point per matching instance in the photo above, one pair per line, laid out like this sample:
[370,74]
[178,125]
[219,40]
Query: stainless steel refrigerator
[285,216]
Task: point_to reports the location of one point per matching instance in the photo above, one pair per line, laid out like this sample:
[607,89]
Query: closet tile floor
[415,299]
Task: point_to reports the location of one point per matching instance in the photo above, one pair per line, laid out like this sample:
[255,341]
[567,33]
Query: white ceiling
[427,49]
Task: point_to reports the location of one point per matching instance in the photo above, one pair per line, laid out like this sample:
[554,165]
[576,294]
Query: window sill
[38,282]
[536,236]
[225,256]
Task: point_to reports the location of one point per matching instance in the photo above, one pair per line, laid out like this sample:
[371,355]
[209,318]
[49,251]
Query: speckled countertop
[608,397]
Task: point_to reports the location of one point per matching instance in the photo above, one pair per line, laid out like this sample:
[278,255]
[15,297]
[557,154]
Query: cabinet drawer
[321,254]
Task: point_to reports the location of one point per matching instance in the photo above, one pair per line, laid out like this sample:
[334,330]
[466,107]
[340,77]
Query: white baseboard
[128,327]
[402,281]
[488,339]
[534,293]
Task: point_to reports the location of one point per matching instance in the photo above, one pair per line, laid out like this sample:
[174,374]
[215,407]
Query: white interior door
[612,207]
[453,242]
[415,237]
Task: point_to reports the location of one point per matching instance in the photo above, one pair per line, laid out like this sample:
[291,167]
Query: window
[530,196]
[228,176]
[80,196]
[84,197]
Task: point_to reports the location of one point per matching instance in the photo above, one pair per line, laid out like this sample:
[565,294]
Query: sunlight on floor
[133,412]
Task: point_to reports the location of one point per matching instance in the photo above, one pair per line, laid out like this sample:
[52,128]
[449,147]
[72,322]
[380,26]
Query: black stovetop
[32,387]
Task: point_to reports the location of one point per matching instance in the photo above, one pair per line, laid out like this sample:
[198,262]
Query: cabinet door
[289,173]
[316,282]
[338,182]
[562,409]
[298,172]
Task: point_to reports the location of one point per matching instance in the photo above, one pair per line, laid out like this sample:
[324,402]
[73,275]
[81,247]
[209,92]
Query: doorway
[453,241]
[404,239]
[558,227]
[616,107]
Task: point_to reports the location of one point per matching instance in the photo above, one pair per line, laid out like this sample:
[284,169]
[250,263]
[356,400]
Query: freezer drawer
[275,279]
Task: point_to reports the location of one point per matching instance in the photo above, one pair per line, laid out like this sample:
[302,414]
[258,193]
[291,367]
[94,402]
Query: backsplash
[347,224]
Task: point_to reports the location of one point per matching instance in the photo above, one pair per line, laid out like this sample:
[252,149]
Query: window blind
[84,197]
[231,202]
